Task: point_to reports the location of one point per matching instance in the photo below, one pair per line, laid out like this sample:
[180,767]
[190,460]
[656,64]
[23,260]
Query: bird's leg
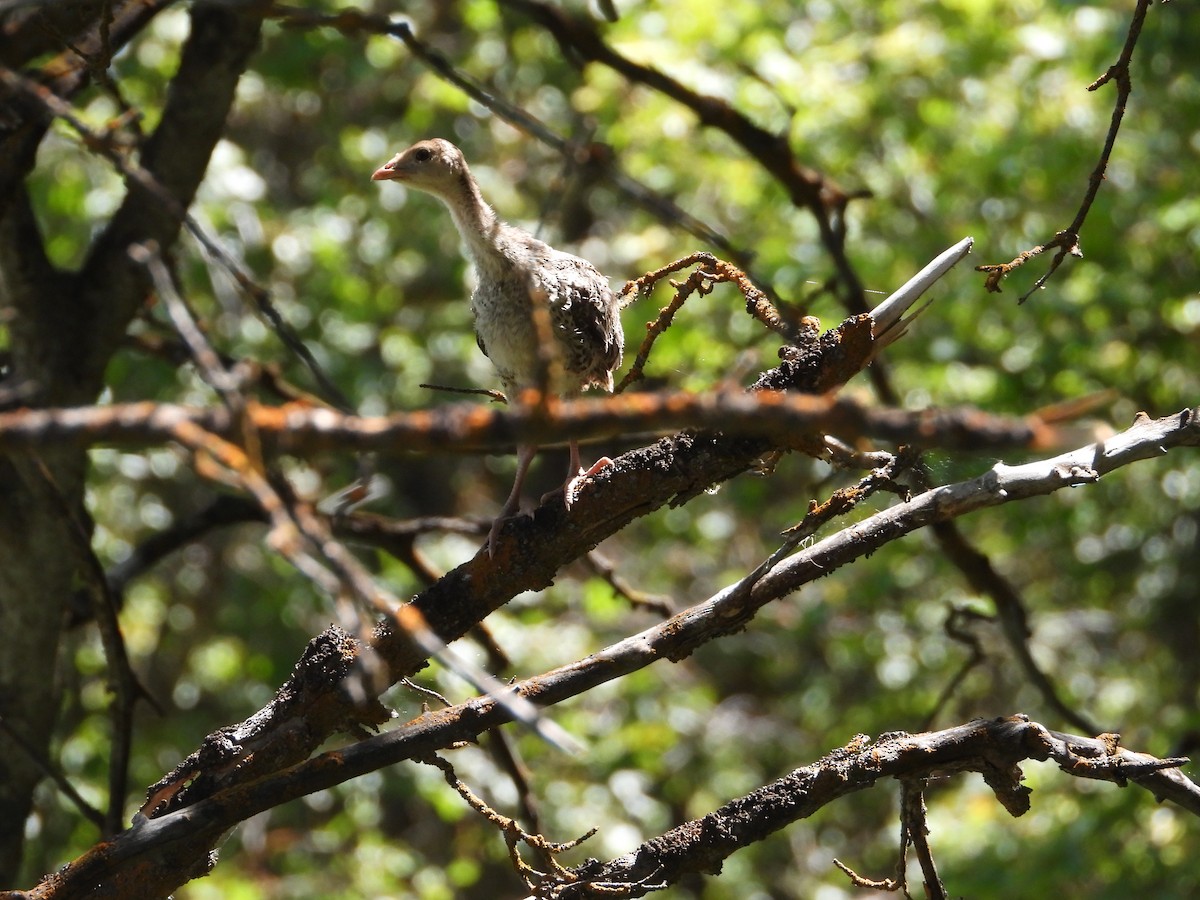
[525,454]
[576,475]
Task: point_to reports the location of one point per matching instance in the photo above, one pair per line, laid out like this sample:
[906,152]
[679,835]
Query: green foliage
[960,118]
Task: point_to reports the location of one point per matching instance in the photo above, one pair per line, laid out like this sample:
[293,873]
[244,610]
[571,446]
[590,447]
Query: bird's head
[435,166]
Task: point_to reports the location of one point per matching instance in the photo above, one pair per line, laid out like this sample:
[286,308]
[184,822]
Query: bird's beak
[387,172]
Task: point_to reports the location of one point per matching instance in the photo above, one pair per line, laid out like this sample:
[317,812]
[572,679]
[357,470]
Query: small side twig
[494,395]
[715,271]
[862,881]
[51,771]
[1011,615]
[955,630]
[514,834]
[604,567]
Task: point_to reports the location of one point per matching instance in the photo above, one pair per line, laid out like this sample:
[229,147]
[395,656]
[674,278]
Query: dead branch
[1067,240]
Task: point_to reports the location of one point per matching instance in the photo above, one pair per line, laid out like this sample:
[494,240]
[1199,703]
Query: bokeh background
[961,118]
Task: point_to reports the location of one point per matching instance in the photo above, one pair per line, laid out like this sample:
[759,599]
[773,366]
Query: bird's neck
[477,223]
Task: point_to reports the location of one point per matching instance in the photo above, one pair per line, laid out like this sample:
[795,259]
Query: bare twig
[513,833]
[604,567]
[1067,240]
[914,831]
[699,282]
[493,395]
[889,316]
[956,632]
[1010,611]
[874,884]
[501,748]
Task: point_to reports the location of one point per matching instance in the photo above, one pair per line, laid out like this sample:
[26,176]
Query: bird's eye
[423,155]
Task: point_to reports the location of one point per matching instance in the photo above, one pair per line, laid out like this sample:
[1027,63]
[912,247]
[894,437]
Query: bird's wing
[585,314]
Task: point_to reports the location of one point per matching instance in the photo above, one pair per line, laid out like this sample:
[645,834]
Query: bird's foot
[498,524]
[512,510]
[573,486]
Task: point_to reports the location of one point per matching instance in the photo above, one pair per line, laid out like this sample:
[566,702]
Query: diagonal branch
[1067,240]
[223,37]
[807,188]
[1010,611]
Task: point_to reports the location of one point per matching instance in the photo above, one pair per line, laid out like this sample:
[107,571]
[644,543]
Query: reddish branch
[787,420]
[715,271]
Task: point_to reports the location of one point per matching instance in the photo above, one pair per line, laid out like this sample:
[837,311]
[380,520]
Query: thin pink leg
[525,454]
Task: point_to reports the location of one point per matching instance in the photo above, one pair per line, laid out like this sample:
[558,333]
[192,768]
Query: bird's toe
[576,483]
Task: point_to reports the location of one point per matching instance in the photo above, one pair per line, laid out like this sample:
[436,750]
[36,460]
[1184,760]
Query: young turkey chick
[514,270]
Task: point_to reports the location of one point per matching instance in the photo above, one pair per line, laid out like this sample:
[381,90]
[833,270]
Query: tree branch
[994,748]
[784,420]
[807,188]
[223,38]
[1067,240]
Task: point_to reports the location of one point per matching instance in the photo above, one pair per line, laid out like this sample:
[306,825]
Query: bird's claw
[570,492]
[575,484]
[571,489]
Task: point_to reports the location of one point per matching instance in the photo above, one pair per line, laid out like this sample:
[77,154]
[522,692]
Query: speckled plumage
[514,270]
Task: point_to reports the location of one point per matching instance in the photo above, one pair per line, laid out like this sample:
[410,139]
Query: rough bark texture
[64,328]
